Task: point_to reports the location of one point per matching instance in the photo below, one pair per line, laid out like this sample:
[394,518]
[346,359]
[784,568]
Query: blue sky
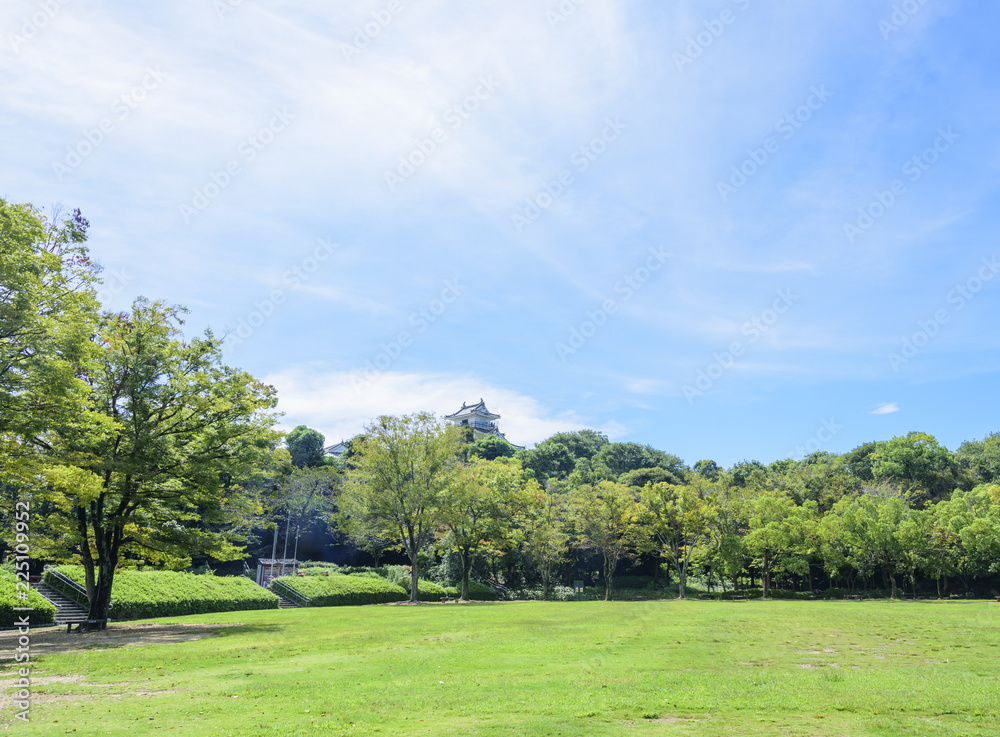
[728,229]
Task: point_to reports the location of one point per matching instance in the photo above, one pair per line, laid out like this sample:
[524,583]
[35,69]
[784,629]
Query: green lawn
[592,668]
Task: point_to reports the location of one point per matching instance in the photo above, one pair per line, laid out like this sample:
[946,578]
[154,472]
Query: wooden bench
[637,598]
[446,599]
[854,597]
[707,597]
[86,625]
[739,598]
[998,599]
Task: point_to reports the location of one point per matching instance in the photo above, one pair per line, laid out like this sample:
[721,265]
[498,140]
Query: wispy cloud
[327,400]
[886,409]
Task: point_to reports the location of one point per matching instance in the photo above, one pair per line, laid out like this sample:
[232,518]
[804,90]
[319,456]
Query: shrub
[149,594]
[631,582]
[43,611]
[308,566]
[429,591]
[556,593]
[339,590]
[477,592]
[399,575]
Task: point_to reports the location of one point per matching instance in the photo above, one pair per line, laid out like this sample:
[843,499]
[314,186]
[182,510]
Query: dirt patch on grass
[52,640]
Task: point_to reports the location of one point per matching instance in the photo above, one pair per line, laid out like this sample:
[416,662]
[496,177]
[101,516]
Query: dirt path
[49,640]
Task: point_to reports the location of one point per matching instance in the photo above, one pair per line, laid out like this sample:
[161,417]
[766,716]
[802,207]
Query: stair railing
[288,592]
[68,583]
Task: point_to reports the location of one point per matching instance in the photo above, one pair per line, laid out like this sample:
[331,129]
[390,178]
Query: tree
[401,468]
[744,473]
[641,477]
[624,457]
[153,480]
[490,447]
[973,520]
[868,529]
[306,495]
[306,447]
[678,517]
[918,464]
[582,443]
[727,525]
[779,535]
[609,520]
[548,460]
[980,459]
[48,314]
[709,469]
[479,507]
[545,524]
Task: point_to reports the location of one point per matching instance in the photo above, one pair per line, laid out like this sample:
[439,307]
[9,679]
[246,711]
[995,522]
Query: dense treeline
[123,443]
[903,513]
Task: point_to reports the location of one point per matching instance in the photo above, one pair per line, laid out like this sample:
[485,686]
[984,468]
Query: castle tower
[481,420]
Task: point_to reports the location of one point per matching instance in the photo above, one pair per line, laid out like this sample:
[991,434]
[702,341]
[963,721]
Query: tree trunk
[765,577]
[609,572]
[892,579]
[466,566]
[414,576]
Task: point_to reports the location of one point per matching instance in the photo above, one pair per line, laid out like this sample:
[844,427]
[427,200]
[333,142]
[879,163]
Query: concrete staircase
[66,608]
[284,602]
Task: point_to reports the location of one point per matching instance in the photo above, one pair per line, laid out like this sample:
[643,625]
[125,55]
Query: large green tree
[609,519]
[153,480]
[395,489]
[918,465]
[546,529]
[679,518]
[306,447]
[48,314]
[480,508]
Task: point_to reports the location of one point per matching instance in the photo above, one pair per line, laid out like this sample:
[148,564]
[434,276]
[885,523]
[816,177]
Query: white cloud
[340,403]
[886,409]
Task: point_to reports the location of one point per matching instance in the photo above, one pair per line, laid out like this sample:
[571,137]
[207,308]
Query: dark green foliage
[980,459]
[148,594]
[744,471]
[582,443]
[339,590]
[305,446]
[624,457]
[43,612]
[633,582]
[916,463]
[709,469]
[489,447]
[642,476]
[477,592]
[548,460]
[859,461]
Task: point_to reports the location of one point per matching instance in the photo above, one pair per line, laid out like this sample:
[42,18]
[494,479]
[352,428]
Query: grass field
[592,668]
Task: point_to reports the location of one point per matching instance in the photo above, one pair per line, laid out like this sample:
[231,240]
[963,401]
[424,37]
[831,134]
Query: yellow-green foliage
[145,594]
[339,590]
[43,612]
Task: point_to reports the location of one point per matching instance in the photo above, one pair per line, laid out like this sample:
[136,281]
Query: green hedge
[149,594]
[430,591]
[43,611]
[477,591]
[340,590]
